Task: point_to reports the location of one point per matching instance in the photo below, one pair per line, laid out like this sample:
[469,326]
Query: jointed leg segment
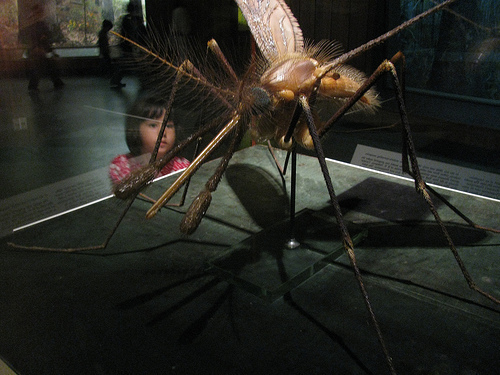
[409,162]
[348,245]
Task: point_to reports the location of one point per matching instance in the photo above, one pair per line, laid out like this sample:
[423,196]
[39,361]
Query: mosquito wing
[274,27]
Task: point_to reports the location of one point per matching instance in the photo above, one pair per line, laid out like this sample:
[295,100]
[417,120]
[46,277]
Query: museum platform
[154,301]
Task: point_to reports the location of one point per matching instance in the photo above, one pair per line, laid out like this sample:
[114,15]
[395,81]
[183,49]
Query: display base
[267,266]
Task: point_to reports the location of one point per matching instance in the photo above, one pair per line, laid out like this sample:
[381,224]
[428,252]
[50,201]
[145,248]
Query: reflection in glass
[455,51]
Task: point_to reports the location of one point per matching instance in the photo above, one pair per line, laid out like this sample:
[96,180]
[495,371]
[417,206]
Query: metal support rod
[292,242]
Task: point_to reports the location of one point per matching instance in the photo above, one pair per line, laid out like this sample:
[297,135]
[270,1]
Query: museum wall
[337,20]
[446,54]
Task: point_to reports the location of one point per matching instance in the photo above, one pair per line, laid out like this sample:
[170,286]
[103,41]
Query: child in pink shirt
[142,127]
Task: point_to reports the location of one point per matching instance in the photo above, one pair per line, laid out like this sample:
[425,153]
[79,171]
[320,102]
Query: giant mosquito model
[275,99]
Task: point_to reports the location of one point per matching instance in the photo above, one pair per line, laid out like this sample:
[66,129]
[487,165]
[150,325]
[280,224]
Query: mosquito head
[259,101]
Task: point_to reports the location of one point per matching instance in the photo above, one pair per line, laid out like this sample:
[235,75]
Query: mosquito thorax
[288,77]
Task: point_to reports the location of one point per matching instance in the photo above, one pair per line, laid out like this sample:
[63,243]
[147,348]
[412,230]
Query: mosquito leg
[382,38]
[410,164]
[214,47]
[348,245]
[286,141]
[367,84]
[132,195]
[186,187]
[185,68]
[276,162]
[400,58]
[201,203]
[76,249]
[189,72]
[281,169]
[130,188]
[287,159]
[136,180]
[130,199]
[422,188]
[168,109]
[216,92]
[232,124]
[405,164]
[388,66]
[459,213]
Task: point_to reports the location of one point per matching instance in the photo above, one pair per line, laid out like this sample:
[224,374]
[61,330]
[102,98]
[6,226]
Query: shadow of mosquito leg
[201,203]
[197,327]
[184,301]
[332,335]
[421,188]
[410,166]
[348,245]
[142,299]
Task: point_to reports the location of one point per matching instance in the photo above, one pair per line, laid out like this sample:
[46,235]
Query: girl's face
[149,131]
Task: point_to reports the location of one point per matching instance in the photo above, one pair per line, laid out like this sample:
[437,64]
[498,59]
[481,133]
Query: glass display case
[152,299]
